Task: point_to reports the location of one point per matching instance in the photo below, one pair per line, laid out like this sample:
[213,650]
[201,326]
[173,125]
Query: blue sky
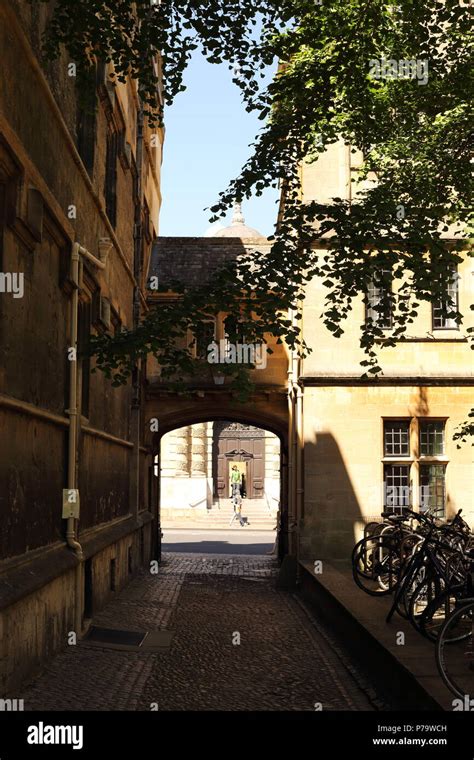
[208,133]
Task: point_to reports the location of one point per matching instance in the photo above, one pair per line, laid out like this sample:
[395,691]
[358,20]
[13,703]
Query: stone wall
[186,471]
[50,199]
[344,458]
[427,374]
[272,470]
[38,622]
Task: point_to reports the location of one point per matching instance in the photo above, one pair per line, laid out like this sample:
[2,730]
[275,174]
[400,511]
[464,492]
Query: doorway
[243,445]
[194,459]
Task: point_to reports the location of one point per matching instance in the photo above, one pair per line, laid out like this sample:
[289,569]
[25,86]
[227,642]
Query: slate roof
[192,260]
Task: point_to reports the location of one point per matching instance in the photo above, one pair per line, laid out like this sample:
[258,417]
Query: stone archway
[265,410]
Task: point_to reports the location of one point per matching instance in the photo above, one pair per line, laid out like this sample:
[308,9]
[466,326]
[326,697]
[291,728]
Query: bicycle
[455,650]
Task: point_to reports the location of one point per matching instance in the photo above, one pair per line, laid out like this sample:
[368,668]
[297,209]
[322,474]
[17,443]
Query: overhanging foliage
[414,132]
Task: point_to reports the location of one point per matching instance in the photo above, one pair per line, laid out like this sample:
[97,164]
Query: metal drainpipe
[291,466]
[299,433]
[294,515]
[299,452]
[299,468]
[297,446]
[292,452]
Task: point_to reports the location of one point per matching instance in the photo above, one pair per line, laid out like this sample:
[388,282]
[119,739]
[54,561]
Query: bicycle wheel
[417,575]
[408,546]
[362,556]
[411,574]
[455,651]
[424,594]
[375,566]
[437,611]
[371,528]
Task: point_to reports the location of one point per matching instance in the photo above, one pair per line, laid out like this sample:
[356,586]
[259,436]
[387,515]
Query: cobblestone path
[239,643]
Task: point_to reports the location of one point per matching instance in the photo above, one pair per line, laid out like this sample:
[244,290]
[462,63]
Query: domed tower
[237,228]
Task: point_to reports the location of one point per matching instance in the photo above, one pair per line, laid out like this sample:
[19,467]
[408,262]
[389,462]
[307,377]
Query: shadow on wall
[332,520]
[421,407]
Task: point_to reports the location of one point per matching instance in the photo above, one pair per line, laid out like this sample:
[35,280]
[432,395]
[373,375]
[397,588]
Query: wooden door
[240,443]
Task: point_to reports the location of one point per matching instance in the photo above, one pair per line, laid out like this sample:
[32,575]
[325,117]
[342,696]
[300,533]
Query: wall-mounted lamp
[218,377]
[105,245]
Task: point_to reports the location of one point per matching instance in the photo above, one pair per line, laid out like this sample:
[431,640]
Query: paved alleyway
[283,662]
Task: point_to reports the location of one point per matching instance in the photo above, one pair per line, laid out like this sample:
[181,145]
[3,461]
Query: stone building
[84,480]
[385,442]
[193,477]
[350,447]
[79,202]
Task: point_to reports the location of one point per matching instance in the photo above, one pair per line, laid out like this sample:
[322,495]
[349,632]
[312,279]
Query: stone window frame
[402,499]
[84,319]
[429,422]
[22,205]
[441,466]
[376,293]
[414,461]
[89,292]
[397,443]
[110,179]
[451,299]
[194,340]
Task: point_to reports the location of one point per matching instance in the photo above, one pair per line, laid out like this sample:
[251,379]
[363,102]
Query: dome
[213,230]
[237,228]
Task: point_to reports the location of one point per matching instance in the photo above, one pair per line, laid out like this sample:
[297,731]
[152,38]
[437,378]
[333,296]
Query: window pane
[448,303]
[204,336]
[432,439]
[87,120]
[433,489]
[379,308]
[396,438]
[397,494]
[233,330]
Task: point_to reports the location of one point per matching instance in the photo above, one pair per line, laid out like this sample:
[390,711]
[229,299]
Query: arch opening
[198,508]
